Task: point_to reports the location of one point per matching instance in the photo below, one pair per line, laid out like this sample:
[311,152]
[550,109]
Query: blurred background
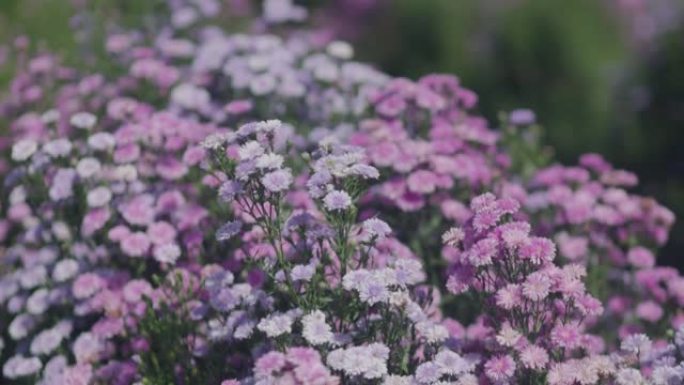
[601,75]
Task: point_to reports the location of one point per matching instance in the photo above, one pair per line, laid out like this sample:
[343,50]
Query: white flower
[64,270]
[84,120]
[20,326]
[88,167]
[268,126]
[508,336]
[23,149]
[126,172]
[453,237]
[250,150]
[315,330]
[375,227]
[168,253]
[340,49]
[37,303]
[629,376]
[269,161]
[276,325]
[216,140]
[337,200]
[244,330]
[637,344]
[190,97]
[18,195]
[46,341]
[19,366]
[57,147]
[263,84]
[50,116]
[394,379]
[99,196]
[102,141]
[432,332]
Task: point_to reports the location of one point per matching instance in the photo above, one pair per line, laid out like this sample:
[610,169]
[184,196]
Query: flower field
[243,203]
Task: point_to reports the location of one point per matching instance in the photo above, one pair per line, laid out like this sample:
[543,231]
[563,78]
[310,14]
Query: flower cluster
[533,308]
[598,224]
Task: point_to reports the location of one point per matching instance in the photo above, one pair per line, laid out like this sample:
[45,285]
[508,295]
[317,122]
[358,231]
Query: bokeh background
[602,76]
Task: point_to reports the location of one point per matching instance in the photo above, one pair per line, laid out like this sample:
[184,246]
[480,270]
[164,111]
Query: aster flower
[315,330]
[375,228]
[23,149]
[228,230]
[453,236]
[276,325]
[500,369]
[277,181]
[337,200]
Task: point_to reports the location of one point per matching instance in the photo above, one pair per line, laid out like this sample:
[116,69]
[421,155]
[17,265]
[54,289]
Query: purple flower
[522,117]
[337,200]
[228,230]
[277,181]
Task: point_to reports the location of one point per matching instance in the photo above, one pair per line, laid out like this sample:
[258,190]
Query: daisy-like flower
[500,369]
[167,253]
[508,336]
[228,230]
[99,196]
[269,161]
[276,325]
[23,149]
[135,244]
[277,181]
[629,376]
[453,236]
[566,336]
[534,357]
[84,120]
[451,363]
[536,287]
[375,228]
[337,200]
[229,190]
[509,296]
[250,150]
[88,167]
[315,330]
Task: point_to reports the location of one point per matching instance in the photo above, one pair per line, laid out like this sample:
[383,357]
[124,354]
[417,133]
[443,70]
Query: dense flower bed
[258,208]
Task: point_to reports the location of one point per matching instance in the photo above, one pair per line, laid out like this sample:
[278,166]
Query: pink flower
[269,363]
[509,296]
[640,257]
[95,220]
[134,291]
[139,211]
[572,248]
[136,244]
[422,182]
[79,374]
[566,336]
[534,357]
[536,287]
[87,348]
[649,311]
[86,285]
[302,356]
[118,233]
[171,169]
[538,250]
[161,233]
[500,369]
